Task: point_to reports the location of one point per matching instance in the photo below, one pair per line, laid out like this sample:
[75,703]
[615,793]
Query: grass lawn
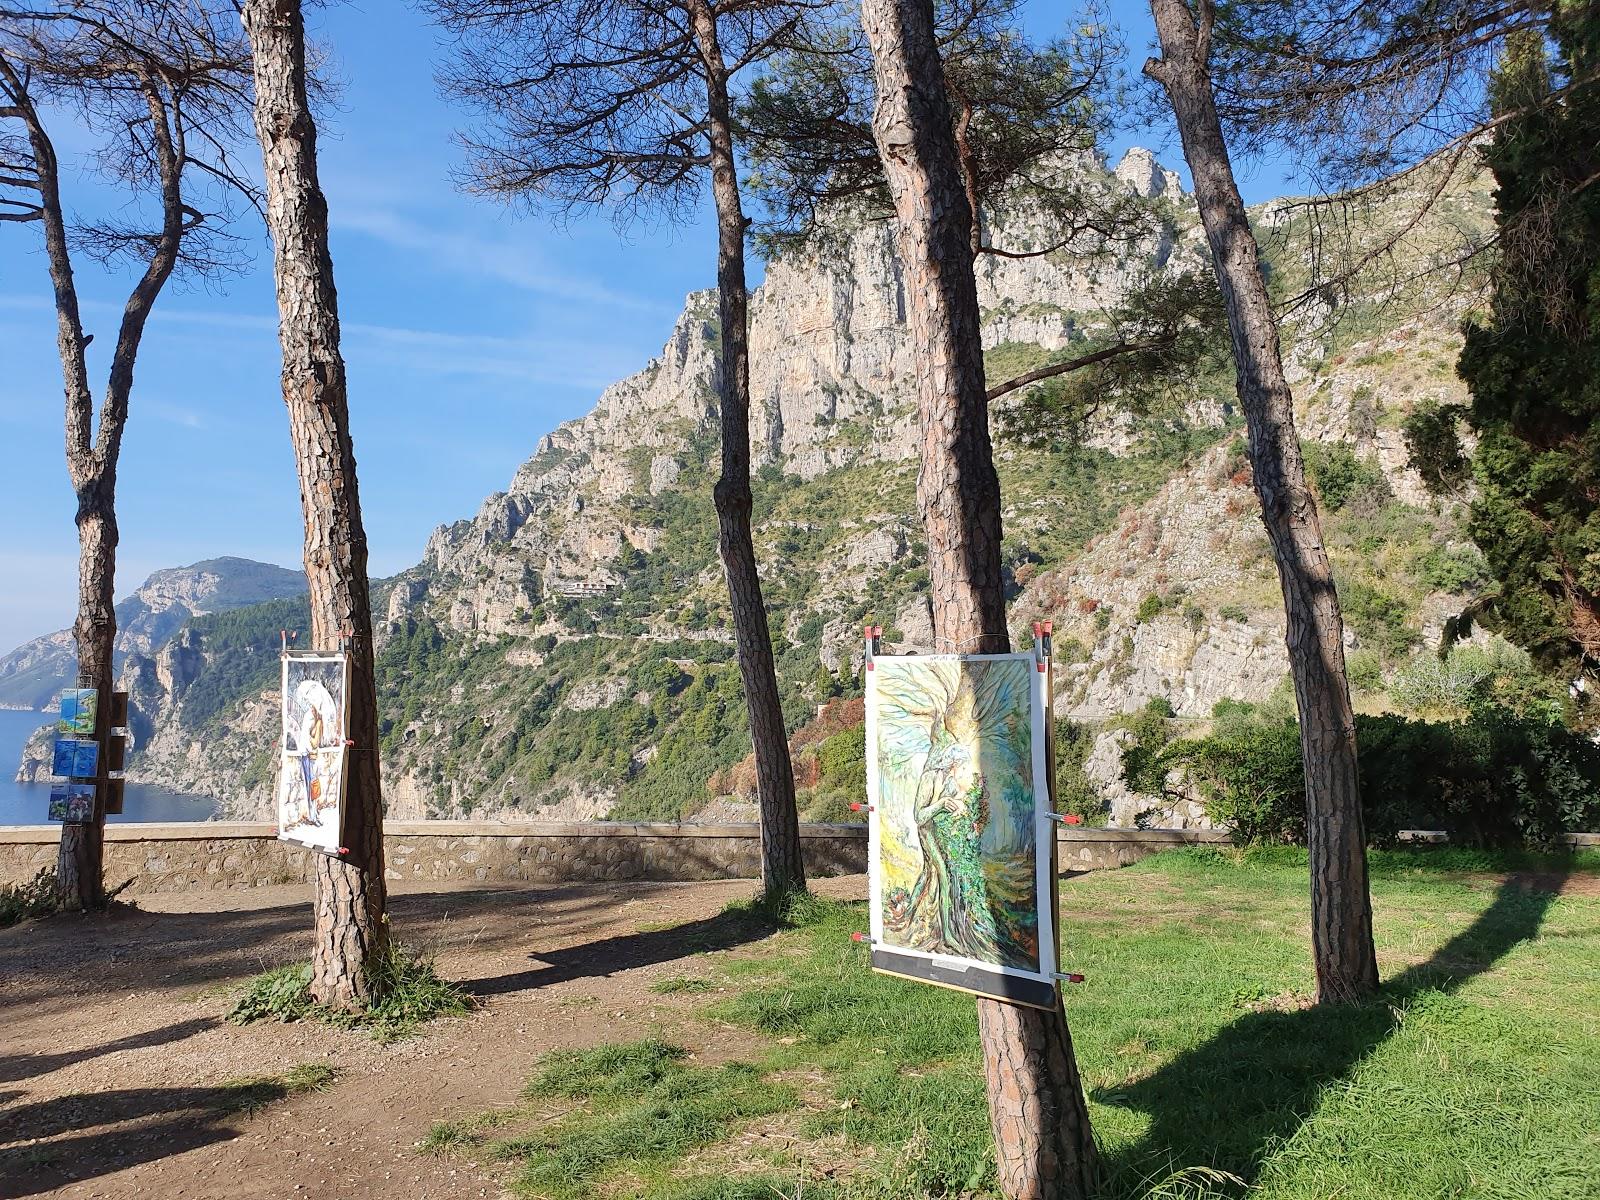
[1477,1072]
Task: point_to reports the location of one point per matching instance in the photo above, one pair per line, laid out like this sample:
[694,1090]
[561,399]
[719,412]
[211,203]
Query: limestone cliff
[565,651]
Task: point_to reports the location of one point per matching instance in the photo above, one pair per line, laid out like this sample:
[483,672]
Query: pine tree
[1533,363]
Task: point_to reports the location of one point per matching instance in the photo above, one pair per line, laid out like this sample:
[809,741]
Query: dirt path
[114,1056]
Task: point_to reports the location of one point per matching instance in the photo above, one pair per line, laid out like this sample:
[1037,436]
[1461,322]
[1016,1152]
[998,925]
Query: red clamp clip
[861,937]
[857,806]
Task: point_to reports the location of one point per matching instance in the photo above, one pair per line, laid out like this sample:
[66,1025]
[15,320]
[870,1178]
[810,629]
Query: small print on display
[72,803]
[75,758]
[78,707]
[311,779]
[960,844]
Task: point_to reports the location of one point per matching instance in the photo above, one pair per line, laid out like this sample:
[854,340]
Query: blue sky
[468,333]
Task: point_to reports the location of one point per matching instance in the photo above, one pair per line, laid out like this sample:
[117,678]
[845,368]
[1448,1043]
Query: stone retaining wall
[207,854]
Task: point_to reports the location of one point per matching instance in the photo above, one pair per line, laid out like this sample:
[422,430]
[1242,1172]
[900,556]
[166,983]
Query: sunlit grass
[1208,1071]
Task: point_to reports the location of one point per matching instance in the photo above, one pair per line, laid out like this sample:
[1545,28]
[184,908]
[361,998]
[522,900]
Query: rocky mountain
[566,651]
[33,673]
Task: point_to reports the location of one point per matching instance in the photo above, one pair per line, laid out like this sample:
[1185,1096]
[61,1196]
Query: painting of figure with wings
[955,805]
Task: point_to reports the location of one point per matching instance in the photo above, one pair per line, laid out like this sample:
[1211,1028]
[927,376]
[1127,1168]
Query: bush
[1142,766]
[1381,620]
[1249,775]
[1074,793]
[1496,778]
[1339,476]
[24,901]
[1149,608]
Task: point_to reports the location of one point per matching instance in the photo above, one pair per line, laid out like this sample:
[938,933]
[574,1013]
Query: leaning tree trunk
[782,868]
[93,453]
[351,925]
[1341,910]
[1043,1144]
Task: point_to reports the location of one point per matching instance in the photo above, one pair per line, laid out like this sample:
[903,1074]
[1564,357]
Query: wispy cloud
[508,260]
[174,414]
[560,362]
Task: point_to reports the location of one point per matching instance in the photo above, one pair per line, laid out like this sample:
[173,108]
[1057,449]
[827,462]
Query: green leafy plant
[410,993]
[25,901]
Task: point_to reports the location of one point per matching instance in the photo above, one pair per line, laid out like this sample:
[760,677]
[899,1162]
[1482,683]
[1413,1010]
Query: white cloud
[509,260]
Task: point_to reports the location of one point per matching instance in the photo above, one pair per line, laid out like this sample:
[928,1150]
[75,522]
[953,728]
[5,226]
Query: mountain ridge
[565,651]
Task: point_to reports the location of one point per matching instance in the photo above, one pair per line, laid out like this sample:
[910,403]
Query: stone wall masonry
[216,855]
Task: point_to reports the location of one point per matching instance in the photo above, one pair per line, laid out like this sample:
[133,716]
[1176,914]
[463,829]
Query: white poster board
[960,843]
[313,747]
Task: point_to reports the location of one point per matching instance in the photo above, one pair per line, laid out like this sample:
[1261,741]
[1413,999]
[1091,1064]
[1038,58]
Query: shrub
[1249,775]
[1380,619]
[1454,569]
[1149,608]
[1365,671]
[1496,778]
[1470,677]
[1339,476]
[1074,793]
[24,901]
[1142,767]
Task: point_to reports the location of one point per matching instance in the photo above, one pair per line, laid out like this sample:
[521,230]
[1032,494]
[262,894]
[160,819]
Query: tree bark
[351,924]
[1341,909]
[1043,1143]
[782,867]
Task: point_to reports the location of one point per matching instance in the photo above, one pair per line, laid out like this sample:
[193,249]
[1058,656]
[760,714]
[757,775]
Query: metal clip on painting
[343,850]
[857,806]
[1064,818]
[874,643]
[1041,645]
[861,937]
[1068,976]
[287,636]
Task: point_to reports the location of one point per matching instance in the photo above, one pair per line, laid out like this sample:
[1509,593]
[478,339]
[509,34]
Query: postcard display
[311,780]
[75,758]
[961,837]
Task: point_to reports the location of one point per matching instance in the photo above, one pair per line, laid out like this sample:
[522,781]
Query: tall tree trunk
[351,924]
[1341,910]
[93,453]
[782,868]
[80,861]
[1043,1143]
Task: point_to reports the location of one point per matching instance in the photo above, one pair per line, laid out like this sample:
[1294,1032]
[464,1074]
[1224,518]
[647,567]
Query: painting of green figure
[956,805]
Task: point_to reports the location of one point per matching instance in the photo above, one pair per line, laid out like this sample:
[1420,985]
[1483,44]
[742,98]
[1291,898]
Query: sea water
[28,803]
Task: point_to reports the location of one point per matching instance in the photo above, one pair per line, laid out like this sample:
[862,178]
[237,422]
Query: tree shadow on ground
[130,949]
[116,1129]
[15,1067]
[1232,1101]
[629,951]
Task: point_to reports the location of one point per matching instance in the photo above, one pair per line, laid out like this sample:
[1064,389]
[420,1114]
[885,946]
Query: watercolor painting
[956,772]
[72,803]
[78,709]
[311,781]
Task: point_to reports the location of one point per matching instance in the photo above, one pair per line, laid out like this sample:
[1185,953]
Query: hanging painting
[312,774]
[962,872]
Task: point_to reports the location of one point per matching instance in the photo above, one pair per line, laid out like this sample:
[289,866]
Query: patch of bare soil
[116,1063]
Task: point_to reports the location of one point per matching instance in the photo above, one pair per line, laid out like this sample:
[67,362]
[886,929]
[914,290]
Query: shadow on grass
[1232,1101]
[646,948]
